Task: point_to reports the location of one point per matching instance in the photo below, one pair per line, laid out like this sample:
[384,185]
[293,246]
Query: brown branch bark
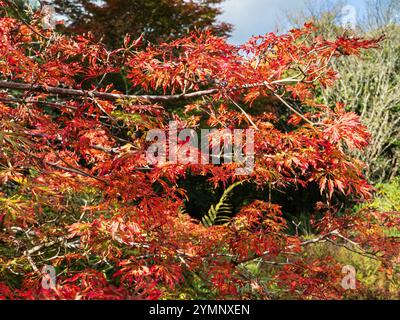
[101,95]
[76,171]
[148,98]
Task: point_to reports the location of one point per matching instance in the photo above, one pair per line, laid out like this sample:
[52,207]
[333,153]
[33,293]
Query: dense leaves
[157,20]
[78,193]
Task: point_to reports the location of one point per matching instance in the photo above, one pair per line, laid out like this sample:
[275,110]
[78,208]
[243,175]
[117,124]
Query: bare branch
[102,95]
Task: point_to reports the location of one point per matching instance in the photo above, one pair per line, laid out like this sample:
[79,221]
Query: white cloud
[255,17]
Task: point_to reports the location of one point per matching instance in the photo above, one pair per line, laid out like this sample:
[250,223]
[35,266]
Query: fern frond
[222,211]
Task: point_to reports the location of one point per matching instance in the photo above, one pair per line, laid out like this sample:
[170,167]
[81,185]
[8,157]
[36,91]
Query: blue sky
[254,17]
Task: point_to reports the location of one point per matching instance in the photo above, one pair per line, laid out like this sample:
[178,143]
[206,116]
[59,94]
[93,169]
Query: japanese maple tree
[78,193]
[156,20]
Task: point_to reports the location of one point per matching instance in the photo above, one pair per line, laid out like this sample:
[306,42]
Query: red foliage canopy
[62,141]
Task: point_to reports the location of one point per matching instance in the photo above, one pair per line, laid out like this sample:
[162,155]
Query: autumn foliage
[158,20]
[78,194]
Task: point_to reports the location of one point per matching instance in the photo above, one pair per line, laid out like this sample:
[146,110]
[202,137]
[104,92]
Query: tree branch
[102,95]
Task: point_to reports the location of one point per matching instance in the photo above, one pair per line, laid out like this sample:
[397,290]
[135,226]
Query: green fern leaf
[222,211]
